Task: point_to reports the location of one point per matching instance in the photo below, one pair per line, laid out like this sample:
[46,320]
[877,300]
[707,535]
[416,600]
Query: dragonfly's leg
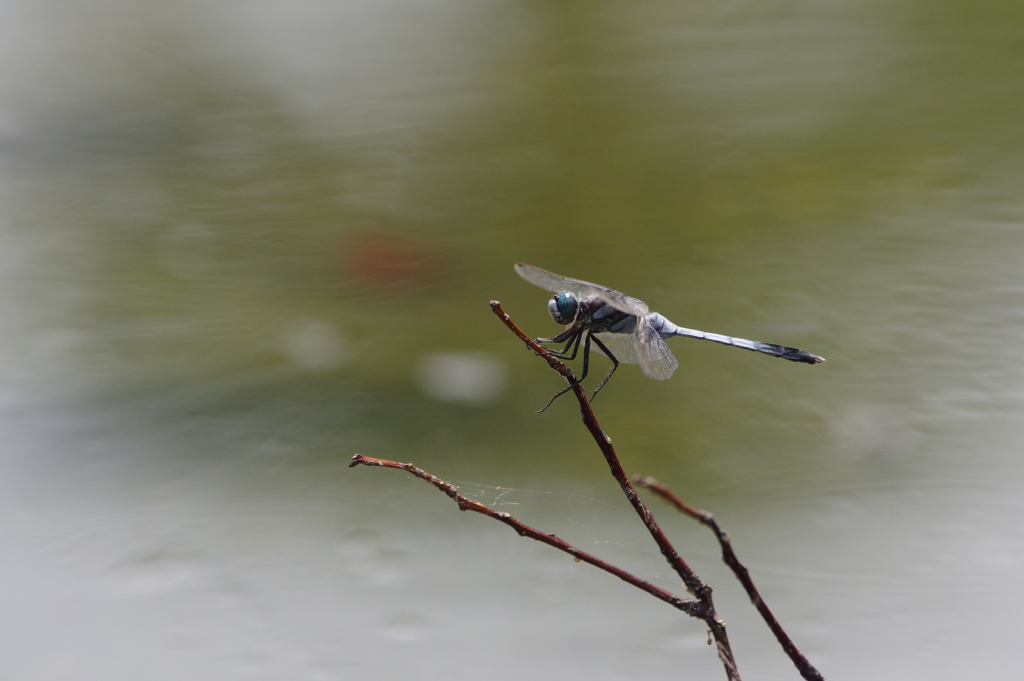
[586,362]
[573,335]
[557,395]
[615,365]
[568,334]
[564,352]
[586,356]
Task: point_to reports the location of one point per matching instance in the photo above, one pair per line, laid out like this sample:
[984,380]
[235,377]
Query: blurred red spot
[388,261]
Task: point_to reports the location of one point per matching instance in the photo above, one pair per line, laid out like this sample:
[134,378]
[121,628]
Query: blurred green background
[242,241]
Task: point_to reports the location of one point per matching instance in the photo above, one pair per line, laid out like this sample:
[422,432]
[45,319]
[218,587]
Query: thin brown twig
[686,605]
[693,583]
[705,518]
[702,606]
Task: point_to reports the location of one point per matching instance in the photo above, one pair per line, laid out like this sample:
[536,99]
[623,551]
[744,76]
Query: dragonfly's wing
[622,302]
[556,283]
[655,359]
[620,345]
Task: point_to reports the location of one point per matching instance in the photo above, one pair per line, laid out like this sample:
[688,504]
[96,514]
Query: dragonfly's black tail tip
[796,355]
[808,358]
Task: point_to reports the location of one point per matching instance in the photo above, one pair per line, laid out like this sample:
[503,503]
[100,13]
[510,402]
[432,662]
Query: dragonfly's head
[563,307]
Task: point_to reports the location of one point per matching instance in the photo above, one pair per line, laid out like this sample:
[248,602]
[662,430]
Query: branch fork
[701,605]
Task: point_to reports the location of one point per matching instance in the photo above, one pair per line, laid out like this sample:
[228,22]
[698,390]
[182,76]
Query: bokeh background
[242,241]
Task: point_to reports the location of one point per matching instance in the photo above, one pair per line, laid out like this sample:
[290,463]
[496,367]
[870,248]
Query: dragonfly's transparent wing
[556,283]
[622,302]
[655,359]
[620,345]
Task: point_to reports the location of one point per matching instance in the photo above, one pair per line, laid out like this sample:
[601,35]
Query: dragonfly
[624,329]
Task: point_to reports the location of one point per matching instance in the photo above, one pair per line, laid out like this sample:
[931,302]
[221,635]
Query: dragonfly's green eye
[562,307]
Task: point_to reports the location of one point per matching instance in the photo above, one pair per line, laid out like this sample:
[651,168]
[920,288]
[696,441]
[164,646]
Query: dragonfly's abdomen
[667,330]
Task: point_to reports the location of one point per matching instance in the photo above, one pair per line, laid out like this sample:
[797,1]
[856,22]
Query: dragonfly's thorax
[590,313]
[603,318]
